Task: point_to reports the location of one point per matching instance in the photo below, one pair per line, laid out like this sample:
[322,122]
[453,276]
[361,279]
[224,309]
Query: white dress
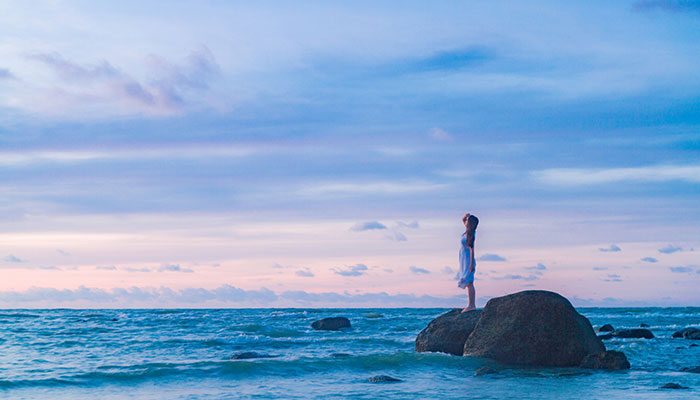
[464,276]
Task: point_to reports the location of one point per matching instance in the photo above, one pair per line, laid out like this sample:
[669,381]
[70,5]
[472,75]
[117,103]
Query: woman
[467,264]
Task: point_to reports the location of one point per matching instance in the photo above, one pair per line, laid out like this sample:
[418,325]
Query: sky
[322,154]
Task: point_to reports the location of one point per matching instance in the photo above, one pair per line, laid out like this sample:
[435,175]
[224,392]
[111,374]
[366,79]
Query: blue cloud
[613,278]
[491,257]
[304,272]
[681,270]
[650,259]
[106,268]
[448,270]
[173,268]
[670,249]
[412,224]
[611,248]
[418,270]
[538,267]
[352,270]
[6,74]
[516,277]
[600,268]
[367,226]
[13,259]
[398,236]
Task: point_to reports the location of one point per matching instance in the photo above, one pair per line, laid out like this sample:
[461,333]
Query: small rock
[373,315]
[673,386]
[606,328]
[695,370]
[610,360]
[634,333]
[247,355]
[331,324]
[694,345]
[682,333]
[694,335]
[643,325]
[485,370]
[383,379]
[605,336]
[340,355]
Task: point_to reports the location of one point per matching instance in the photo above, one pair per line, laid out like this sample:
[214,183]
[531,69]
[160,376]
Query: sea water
[185,354]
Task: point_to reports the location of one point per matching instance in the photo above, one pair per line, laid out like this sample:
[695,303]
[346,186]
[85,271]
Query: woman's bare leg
[472,297]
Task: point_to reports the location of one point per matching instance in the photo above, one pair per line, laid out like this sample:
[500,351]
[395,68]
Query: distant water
[184,354]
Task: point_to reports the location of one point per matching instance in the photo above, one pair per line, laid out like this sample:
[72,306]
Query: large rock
[685,332]
[331,324]
[606,328]
[637,333]
[533,327]
[610,360]
[448,332]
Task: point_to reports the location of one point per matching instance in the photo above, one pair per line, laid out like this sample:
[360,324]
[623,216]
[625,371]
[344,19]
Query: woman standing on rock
[467,264]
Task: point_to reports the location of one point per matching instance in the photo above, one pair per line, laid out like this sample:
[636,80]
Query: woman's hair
[472,223]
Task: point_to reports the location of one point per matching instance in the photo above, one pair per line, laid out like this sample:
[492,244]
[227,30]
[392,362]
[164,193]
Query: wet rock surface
[448,332]
[331,324]
[609,360]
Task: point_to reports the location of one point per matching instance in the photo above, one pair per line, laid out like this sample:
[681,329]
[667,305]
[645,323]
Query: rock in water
[331,324]
[610,360]
[448,332]
[383,379]
[606,328]
[685,331]
[485,370]
[695,370]
[633,333]
[247,355]
[533,327]
[643,325]
[673,386]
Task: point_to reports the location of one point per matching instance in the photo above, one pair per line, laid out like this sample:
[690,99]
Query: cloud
[396,235]
[225,294]
[538,267]
[600,268]
[304,272]
[611,248]
[62,252]
[670,249]
[367,226]
[106,268]
[135,269]
[516,277]
[448,270]
[412,224]
[440,135]
[49,268]
[581,176]
[681,270]
[650,259]
[104,84]
[418,270]
[491,257]
[352,270]
[613,278]
[173,268]
[13,259]
[6,74]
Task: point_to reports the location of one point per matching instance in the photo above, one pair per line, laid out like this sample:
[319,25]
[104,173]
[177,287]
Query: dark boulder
[247,355]
[606,328]
[673,386]
[533,327]
[606,336]
[695,370]
[448,332]
[383,379]
[695,335]
[331,324]
[610,360]
[643,325]
[685,331]
[636,333]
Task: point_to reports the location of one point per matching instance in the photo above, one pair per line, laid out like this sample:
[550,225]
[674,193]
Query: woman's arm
[471,259]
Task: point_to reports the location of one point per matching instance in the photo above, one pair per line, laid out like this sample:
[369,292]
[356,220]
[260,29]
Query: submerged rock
[373,315]
[643,325]
[448,332]
[609,359]
[606,336]
[673,386]
[636,333]
[695,370]
[606,328]
[533,327]
[247,355]
[331,324]
[485,370]
[685,332]
[383,379]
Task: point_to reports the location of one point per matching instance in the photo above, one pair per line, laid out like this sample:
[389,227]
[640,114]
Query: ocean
[185,354]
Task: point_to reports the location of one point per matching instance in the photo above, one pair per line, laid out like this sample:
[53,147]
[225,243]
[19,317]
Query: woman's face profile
[466,219]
